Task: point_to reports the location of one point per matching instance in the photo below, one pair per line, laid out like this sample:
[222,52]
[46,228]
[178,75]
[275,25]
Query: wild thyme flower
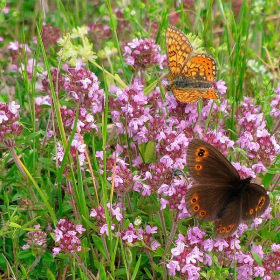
[172,196]
[249,117]
[261,148]
[130,234]
[129,108]
[17,50]
[191,253]
[174,17]
[187,257]
[157,175]
[275,104]
[77,151]
[86,120]
[243,171]
[99,33]
[271,262]
[260,145]
[123,179]
[221,86]
[36,241]
[219,141]
[99,215]
[172,148]
[39,101]
[66,238]
[147,238]
[247,267]
[58,79]
[117,170]
[83,85]
[50,36]
[268,148]
[143,54]
[135,235]
[9,121]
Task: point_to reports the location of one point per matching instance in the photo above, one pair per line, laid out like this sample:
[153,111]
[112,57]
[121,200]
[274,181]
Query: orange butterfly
[191,75]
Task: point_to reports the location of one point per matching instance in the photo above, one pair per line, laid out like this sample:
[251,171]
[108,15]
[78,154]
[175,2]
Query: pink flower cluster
[50,36]
[10,128]
[77,151]
[143,54]
[66,238]
[194,251]
[36,241]
[83,86]
[99,215]
[134,236]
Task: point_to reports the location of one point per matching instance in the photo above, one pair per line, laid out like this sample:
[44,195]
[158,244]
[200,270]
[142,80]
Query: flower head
[142,54]
[66,238]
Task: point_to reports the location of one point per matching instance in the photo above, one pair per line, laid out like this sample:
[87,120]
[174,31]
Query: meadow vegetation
[93,143]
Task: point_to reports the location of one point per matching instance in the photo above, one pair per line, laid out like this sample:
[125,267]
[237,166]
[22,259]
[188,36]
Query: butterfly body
[183,83]
[192,75]
[218,193]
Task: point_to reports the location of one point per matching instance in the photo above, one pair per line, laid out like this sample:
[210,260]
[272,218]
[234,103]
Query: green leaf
[25,254]
[257,258]
[136,268]
[99,245]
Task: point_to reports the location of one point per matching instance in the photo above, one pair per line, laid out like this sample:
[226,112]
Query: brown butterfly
[219,194]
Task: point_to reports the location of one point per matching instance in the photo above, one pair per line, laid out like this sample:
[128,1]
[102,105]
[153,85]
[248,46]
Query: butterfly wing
[229,221]
[201,67]
[192,95]
[207,202]
[187,96]
[254,201]
[206,165]
[179,49]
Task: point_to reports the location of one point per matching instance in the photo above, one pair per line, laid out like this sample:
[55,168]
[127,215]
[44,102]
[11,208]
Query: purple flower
[77,151]
[173,266]
[65,237]
[83,85]
[195,235]
[50,36]
[235,244]
[208,259]
[221,86]
[191,271]
[259,271]
[129,235]
[9,122]
[221,244]
[275,247]
[142,54]
[180,246]
[243,171]
[208,245]
[37,240]
[258,249]
[275,103]
[58,79]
